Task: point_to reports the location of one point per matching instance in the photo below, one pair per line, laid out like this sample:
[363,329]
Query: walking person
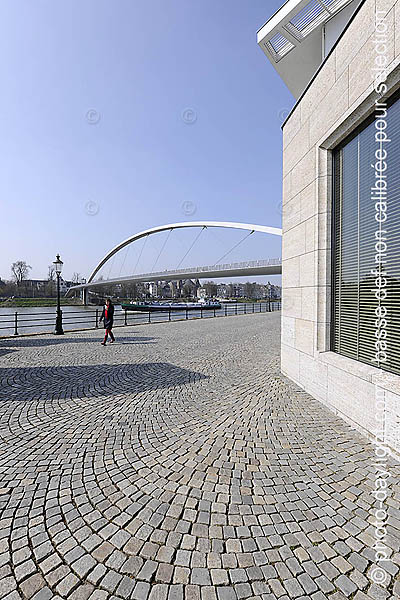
[108,317]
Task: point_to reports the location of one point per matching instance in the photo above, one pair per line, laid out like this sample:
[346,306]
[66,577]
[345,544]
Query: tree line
[20,285]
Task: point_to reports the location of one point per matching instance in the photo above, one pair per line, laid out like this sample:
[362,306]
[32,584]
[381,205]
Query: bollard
[201,312]
[169,314]
[16,323]
[126,318]
[149,317]
[97,318]
[269,305]
[225,309]
[236,308]
[245,309]
[214,313]
[187,314]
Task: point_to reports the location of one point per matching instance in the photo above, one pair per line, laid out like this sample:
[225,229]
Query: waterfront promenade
[178,464]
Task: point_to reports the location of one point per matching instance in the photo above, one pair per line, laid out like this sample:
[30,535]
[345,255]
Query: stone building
[183,288]
[341,222]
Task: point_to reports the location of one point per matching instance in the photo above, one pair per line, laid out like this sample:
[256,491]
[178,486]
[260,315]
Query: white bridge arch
[204,224]
[263,267]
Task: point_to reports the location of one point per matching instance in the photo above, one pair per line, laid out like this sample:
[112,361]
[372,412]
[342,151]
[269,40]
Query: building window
[355,233]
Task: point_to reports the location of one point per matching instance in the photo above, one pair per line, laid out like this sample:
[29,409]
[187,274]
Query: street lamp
[58,265]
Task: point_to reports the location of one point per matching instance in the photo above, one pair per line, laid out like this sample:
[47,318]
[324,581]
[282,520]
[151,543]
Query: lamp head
[58,264]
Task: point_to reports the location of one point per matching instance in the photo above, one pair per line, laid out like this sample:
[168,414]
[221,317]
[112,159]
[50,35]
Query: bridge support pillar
[84,297]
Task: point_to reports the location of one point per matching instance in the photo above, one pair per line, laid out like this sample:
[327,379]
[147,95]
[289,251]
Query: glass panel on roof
[334,5]
[312,15]
[279,46]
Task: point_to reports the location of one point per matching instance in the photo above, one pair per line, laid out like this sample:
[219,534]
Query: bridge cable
[111,266]
[162,248]
[140,254]
[123,262]
[195,240]
[235,246]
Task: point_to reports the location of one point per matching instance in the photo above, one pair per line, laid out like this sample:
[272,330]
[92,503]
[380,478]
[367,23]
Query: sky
[120,116]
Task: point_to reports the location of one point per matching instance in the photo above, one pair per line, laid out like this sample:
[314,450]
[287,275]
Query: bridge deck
[244,269]
[178,464]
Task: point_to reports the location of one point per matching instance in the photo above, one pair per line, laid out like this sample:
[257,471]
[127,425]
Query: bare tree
[20,271]
[76,278]
[51,273]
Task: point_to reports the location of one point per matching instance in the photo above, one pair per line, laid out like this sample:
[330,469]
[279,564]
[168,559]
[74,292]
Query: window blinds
[353,246]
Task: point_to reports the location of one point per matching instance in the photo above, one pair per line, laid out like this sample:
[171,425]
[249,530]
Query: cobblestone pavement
[177,464]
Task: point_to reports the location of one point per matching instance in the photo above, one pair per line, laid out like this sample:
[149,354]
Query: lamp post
[58,265]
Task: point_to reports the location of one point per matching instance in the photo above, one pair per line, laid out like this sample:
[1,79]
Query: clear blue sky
[139,64]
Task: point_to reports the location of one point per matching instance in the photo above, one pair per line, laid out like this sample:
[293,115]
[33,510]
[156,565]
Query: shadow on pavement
[4,351]
[69,382]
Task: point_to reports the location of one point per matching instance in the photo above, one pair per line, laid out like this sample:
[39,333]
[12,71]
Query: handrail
[18,322]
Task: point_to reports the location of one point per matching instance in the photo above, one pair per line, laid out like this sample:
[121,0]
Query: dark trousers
[109,333]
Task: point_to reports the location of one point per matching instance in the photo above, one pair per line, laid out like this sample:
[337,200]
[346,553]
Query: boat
[155,306]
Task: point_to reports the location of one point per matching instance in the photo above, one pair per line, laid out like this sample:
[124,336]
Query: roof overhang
[298,36]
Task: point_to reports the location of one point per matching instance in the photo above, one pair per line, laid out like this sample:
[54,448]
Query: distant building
[42,285]
[182,288]
[222,290]
[255,291]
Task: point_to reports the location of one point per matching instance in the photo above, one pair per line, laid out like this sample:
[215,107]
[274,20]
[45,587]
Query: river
[42,319]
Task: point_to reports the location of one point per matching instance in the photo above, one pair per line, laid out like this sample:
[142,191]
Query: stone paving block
[293,588]
[164,573]
[110,580]
[7,585]
[159,592]
[225,593]
[175,592]
[96,575]
[200,576]
[377,592]
[192,592]
[208,593]
[82,592]
[66,585]
[141,591]
[43,594]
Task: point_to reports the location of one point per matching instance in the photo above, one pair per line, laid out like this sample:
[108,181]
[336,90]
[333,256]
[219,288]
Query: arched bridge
[249,268]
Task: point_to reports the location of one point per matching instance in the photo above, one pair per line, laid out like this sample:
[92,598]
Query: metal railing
[21,323]
[249,264]
[179,273]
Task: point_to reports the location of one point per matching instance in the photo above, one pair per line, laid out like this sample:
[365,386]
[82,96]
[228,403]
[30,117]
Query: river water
[42,319]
